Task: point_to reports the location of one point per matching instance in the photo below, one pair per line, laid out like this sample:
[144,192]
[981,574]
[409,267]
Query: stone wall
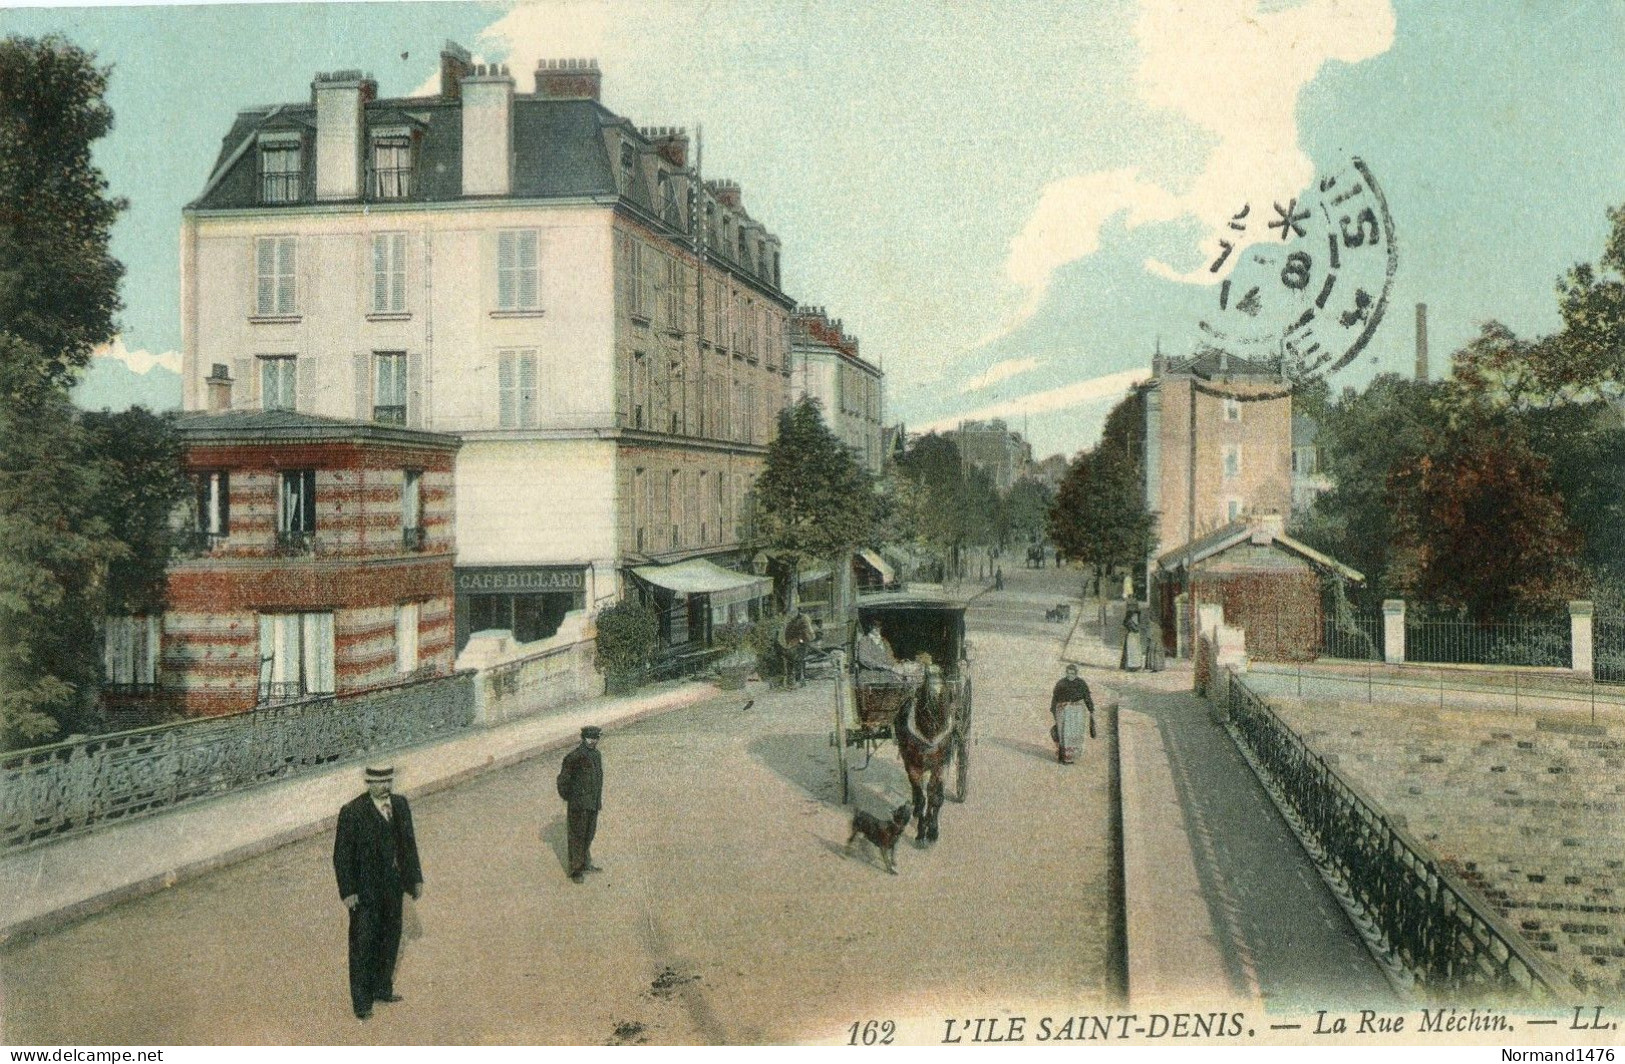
[1527,808]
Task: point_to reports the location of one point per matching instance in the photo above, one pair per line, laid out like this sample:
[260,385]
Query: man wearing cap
[581,785]
[375,856]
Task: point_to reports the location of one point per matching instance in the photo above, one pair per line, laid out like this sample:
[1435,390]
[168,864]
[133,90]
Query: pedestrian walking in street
[1067,730]
[581,785]
[1133,648]
[375,857]
[998,579]
[794,639]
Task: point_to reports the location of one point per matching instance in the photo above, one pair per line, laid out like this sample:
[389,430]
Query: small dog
[882,834]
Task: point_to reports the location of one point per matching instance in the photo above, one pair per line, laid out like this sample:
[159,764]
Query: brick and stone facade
[375,553]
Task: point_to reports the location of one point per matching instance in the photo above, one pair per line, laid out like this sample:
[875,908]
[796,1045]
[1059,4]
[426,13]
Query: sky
[1011,205]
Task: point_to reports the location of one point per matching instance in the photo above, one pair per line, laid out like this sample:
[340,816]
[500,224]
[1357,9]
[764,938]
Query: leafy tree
[58,284]
[61,539]
[1478,525]
[1099,514]
[1025,511]
[141,485]
[1592,301]
[1364,437]
[813,500]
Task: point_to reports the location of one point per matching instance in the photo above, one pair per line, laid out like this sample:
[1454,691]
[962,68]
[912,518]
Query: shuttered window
[276,292]
[518,272]
[517,384]
[389,273]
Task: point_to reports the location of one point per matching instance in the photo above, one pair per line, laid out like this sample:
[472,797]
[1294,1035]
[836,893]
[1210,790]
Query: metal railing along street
[51,791]
[1436,926]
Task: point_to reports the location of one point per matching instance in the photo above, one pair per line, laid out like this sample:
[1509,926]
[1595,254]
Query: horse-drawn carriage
[923,705]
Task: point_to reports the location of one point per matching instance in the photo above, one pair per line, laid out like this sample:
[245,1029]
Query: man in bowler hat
[581,785]
[375,856]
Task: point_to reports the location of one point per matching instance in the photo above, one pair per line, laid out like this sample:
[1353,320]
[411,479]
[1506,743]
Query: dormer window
[668,200]
[629,156]
[392,164]
[281,169]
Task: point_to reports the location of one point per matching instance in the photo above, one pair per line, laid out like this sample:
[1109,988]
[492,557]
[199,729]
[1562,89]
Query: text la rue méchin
[1124,1026]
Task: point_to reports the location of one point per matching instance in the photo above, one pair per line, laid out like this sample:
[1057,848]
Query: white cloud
[554,29]
[999,371]
[138,361]
[1069,395]
[1232,68]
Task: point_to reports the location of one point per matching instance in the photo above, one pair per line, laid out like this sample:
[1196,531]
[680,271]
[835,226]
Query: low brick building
[1270,585]
[317,560]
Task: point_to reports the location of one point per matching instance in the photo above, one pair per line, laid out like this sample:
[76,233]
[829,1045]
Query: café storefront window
[528,601]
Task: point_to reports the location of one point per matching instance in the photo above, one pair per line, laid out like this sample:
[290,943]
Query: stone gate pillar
[1581,655]
[1393,631]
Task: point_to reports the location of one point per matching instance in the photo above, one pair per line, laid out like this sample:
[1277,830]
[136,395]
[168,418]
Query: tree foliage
[813,500]
[1479,526]
[1024,512]
[58,283]
[84,500]
[1099,514]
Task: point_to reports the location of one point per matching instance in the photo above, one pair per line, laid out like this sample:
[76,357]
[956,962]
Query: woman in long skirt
[1133,647]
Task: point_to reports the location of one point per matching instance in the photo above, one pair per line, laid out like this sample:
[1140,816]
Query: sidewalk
[55,883]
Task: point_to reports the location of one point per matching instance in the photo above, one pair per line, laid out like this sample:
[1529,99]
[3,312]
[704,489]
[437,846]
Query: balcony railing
[132,690]
[291,543]
[414,538]
[280,692]
[389,415]
[193,542]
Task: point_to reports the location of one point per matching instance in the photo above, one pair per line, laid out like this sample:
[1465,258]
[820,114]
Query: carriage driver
[876,662]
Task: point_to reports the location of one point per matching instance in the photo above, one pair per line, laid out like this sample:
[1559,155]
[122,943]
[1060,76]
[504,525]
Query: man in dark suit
[375,856]
[581,785]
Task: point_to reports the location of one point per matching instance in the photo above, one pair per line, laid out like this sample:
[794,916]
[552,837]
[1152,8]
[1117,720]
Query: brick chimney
[670,141]
[455,65]
[339,98]
[568,79]
[727,193]
[219,383]
[487,131]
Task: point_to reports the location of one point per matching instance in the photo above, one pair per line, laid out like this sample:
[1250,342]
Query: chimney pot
[219,384]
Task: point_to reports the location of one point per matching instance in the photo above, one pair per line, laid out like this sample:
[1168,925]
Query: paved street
[728,911]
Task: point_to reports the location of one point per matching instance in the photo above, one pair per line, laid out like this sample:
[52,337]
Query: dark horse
[924,728]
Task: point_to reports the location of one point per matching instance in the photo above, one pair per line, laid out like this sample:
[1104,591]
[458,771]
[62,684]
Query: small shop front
[696,596]
[529,601]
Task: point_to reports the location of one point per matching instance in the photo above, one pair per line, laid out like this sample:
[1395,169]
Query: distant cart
[866,710]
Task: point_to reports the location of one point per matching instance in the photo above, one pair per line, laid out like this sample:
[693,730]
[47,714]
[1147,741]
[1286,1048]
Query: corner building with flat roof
[603,330]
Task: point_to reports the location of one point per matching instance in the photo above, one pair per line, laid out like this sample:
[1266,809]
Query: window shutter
[363,361]
[149,664]
[287,265]
[506,269]
[265,276]
[505,390]
[304,382]
[529,275]
[397,276]
[223,480]
[414,390]
[380,274]
[527,390]
[316,665]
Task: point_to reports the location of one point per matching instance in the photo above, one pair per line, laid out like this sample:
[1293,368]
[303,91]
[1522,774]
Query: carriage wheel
[961,759]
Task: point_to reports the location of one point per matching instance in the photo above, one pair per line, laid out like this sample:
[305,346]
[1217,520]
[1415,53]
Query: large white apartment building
[528,271]
[825,365]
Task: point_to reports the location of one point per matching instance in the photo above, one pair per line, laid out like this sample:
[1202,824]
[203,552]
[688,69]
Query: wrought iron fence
[51,791]
[1435,925]
[1356,637]
[1543,642]
[1608,648]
